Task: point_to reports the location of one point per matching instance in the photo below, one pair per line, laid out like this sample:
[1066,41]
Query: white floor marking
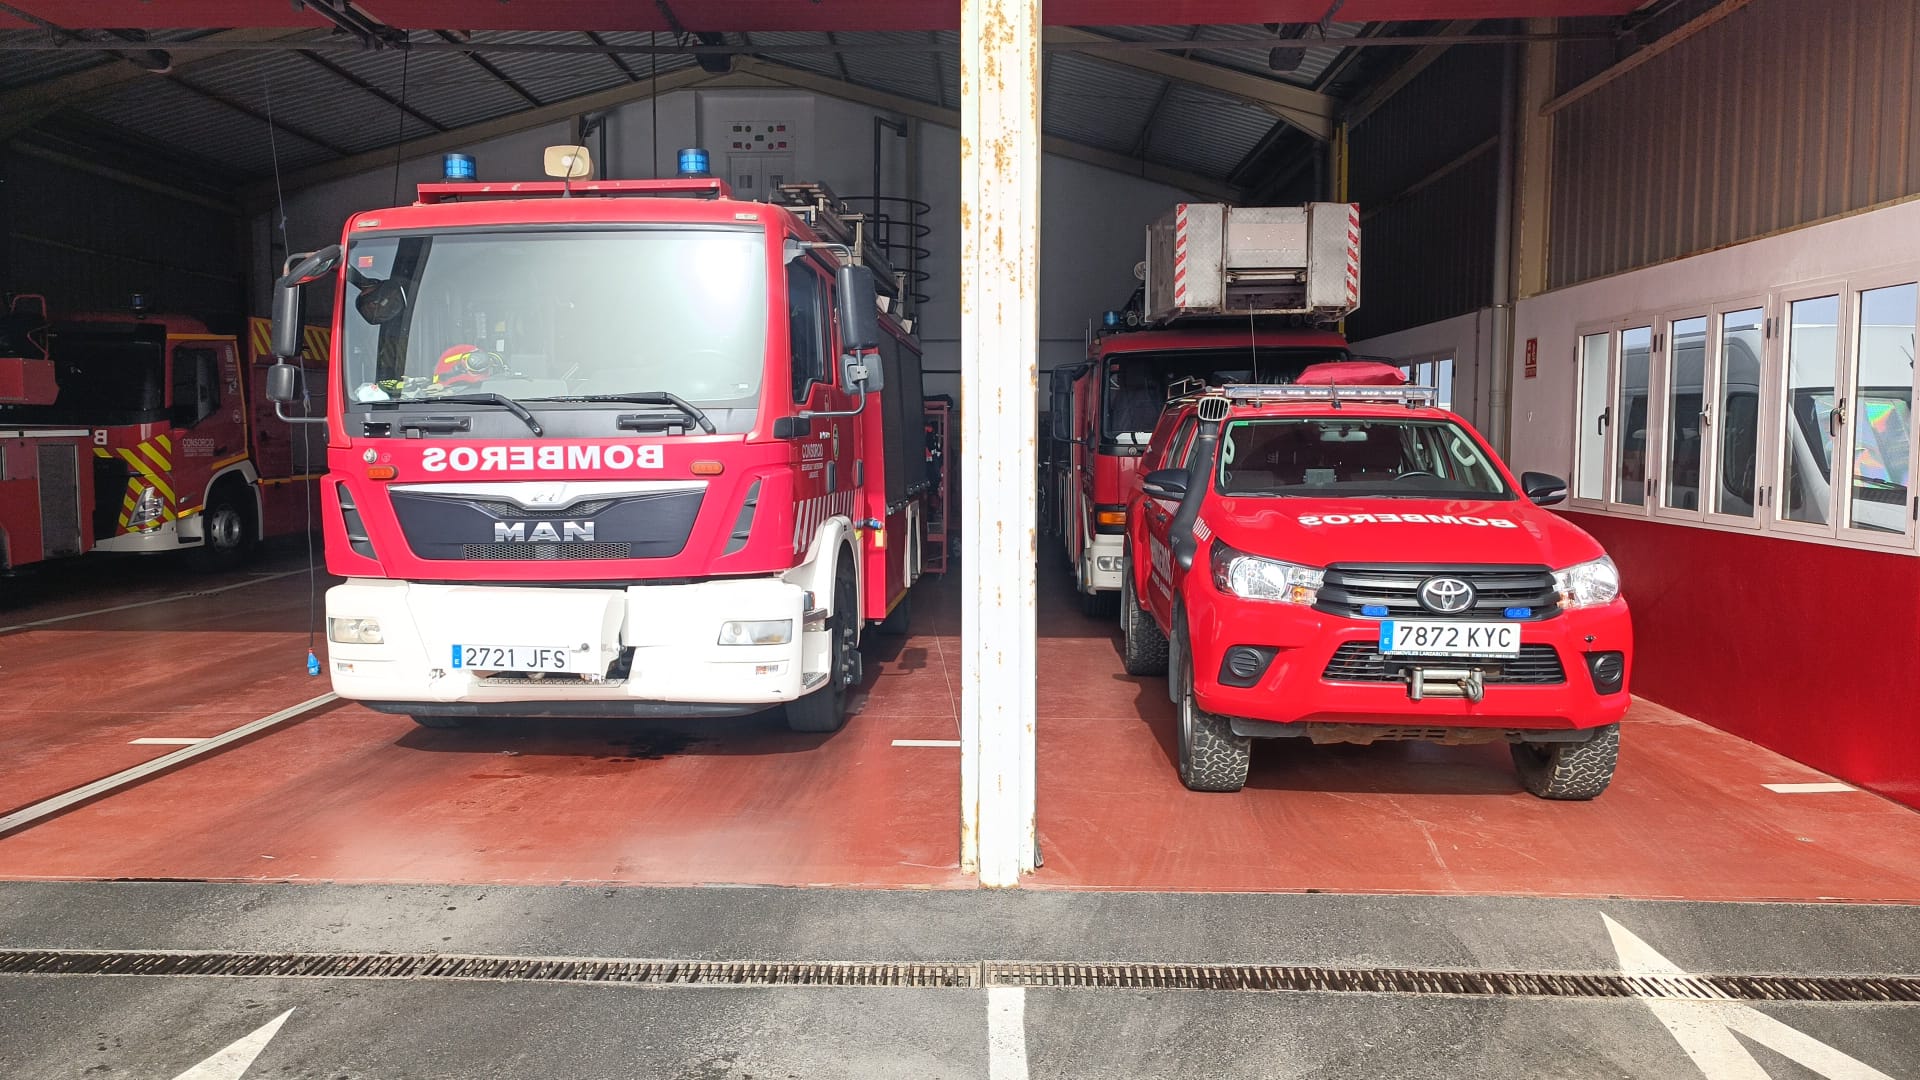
[232,1063]
[166,742]
[1705,1029]
[926,742]
[149,603]
[1808,789]
[49,807]
[1007,1033]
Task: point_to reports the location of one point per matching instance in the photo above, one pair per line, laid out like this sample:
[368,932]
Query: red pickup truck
[1342,561]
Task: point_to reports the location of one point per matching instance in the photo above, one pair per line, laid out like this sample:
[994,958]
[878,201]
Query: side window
[806,328]
[1176,456]
[1630,416]
[196,384]
[1742,347]
[1590,465]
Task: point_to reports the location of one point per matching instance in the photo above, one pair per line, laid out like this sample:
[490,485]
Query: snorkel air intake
[1212,410]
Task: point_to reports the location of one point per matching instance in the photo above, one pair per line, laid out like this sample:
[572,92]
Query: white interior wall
[1093,220]
[1467,338]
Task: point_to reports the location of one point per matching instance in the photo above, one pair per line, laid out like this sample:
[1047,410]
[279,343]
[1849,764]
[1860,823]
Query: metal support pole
[1499,401]
[999,357]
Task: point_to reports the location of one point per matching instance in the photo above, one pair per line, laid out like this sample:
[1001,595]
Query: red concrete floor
[346,794]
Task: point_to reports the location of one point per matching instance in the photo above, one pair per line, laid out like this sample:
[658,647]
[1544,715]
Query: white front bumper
[671,630]
[1100,563]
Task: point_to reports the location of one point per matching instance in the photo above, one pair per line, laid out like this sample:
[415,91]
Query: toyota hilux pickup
[1342,561]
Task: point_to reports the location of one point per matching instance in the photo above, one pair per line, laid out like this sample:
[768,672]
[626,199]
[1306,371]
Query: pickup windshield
[532,314]
[1136,385]
[1333,458]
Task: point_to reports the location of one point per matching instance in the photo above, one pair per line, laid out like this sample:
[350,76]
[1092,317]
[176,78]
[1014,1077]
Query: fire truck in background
[612,448]
[1229,294]
[143,433]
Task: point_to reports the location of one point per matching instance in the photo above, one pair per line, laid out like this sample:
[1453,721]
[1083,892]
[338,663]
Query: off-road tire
[1144,647]
[1212,757]
[442,723]
[1571,772]
[826,708]
[229,530]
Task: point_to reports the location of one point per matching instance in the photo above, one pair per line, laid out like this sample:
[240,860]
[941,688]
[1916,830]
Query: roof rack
[1413,397]
[829,216]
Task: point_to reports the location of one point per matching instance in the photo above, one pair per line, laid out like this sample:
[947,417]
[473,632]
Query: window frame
[1581,333]
[1660,418]
[1857,285]
[1780,372]
[802,393]
[1764,438]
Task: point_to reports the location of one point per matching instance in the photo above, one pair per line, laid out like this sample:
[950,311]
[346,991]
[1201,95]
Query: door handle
[1837,418]
[1600,426]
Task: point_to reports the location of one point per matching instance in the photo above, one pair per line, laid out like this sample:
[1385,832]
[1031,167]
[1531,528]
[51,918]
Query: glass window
[1443,382]
[1686,401]
[806,330]
[196,384]
[1737,410]
[1807,448]
[1631,417]
[1325,457]
[1882,421]
[1590,481]
[1177,453]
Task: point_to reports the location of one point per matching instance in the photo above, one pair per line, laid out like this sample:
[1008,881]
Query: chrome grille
[1350,587]
[1362,661]
[502,509]
[519,551]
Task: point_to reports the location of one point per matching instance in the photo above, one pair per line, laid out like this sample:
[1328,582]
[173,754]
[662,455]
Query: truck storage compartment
[1213,259]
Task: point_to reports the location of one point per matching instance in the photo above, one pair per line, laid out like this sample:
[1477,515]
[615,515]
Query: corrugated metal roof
[444,85]
[165,111]
[1098,104]
[821,62]
[1205,132]
[303,96]
[1312,66]
[554,76]
[909,74]
[26,68]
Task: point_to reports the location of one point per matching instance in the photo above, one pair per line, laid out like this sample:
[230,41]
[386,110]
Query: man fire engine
[143,433]
[1229,294]
[614,448]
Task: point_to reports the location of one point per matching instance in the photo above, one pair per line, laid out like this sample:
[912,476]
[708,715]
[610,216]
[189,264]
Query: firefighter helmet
[464,364]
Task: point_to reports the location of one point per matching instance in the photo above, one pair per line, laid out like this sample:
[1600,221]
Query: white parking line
[166,742]
[149,603]
[49,807]
[926,742]
[1007,1033]
[1808,789]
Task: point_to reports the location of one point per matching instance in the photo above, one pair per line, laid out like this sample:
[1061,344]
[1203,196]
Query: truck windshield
[564,313]
[1136,386]
[1332,458]
[105,376]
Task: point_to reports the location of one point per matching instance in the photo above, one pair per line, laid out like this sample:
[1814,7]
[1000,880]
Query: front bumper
[1100,563]
[1295,696]
[641,650]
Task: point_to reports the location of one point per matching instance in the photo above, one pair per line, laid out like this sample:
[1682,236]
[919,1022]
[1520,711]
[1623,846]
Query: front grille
[519,551]
[1362,661]
[1350,588]
[500,508]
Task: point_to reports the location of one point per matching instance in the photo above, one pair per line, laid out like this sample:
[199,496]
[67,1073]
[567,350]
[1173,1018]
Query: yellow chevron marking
[101,451]
[147,471]
[156,456]
[166,443]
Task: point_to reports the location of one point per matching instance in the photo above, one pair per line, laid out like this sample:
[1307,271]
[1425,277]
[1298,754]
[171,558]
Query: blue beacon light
[693,161]
[459,167]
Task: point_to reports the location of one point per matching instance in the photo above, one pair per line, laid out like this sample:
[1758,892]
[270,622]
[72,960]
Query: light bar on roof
[1410,396]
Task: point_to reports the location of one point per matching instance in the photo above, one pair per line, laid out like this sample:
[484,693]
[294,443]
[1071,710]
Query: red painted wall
[1810,650]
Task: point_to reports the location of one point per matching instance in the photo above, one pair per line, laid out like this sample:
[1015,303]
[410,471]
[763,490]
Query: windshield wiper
[651,397]
[501,400]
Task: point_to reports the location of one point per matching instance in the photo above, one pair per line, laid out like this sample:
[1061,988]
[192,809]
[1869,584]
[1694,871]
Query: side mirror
[859,318]
[1545,489]
[860,373]
[283,384]
[1165,484]
[286,298]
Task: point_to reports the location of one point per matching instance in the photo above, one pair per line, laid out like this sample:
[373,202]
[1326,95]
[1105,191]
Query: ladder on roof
[832,218]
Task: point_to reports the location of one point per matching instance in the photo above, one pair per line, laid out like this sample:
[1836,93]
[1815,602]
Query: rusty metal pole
[999,365]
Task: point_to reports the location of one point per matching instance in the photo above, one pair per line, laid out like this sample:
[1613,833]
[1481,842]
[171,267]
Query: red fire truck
[1229,294]
[143,433]
[613,448]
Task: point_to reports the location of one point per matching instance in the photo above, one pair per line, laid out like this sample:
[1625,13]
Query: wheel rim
[1186,717]
[843,642]
[224,528]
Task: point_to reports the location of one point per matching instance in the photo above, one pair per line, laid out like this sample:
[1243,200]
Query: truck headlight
[1588,584]
[354,631]
[146,509]
[764,632]
[1255,578]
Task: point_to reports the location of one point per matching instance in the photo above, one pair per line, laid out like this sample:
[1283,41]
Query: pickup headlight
[354,631]
[1589,584]
[767,632]
[1255,578]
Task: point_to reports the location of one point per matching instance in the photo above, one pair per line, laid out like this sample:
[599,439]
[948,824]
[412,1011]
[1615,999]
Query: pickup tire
[441,723]
[1212,757]
[1144,648]
[826,708]
[1570,772]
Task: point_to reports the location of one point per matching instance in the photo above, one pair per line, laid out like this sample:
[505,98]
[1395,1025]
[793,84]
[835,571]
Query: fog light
[1244,664]
[1107,563]
[1609,670]
[354,631]
[764,632]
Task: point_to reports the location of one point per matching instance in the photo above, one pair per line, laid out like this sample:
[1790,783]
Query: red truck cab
[1349,563]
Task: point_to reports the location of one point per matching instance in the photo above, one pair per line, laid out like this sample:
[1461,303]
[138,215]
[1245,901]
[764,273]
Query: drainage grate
[1235,977]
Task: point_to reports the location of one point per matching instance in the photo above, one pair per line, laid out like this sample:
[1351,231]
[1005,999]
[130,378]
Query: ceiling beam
[463,138]
[1204,186]
[1308,110]
[372,89]
[1700,22]
[1402,75]
[490,68]
[618,60]
[22,107]
[1159,102]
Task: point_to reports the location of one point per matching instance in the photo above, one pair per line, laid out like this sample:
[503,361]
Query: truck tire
[1571,772]
[898,620]
[441,722]
[1212,757]
[1097,605]
[1144,647]
[228,525]
[826,708]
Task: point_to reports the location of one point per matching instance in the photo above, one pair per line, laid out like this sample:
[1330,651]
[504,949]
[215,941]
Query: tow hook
[1424,683]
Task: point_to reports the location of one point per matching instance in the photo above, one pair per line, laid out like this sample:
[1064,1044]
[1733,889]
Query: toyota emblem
[1446,595]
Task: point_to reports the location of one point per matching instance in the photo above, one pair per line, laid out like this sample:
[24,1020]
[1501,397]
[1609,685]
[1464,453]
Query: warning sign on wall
[1533,357]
